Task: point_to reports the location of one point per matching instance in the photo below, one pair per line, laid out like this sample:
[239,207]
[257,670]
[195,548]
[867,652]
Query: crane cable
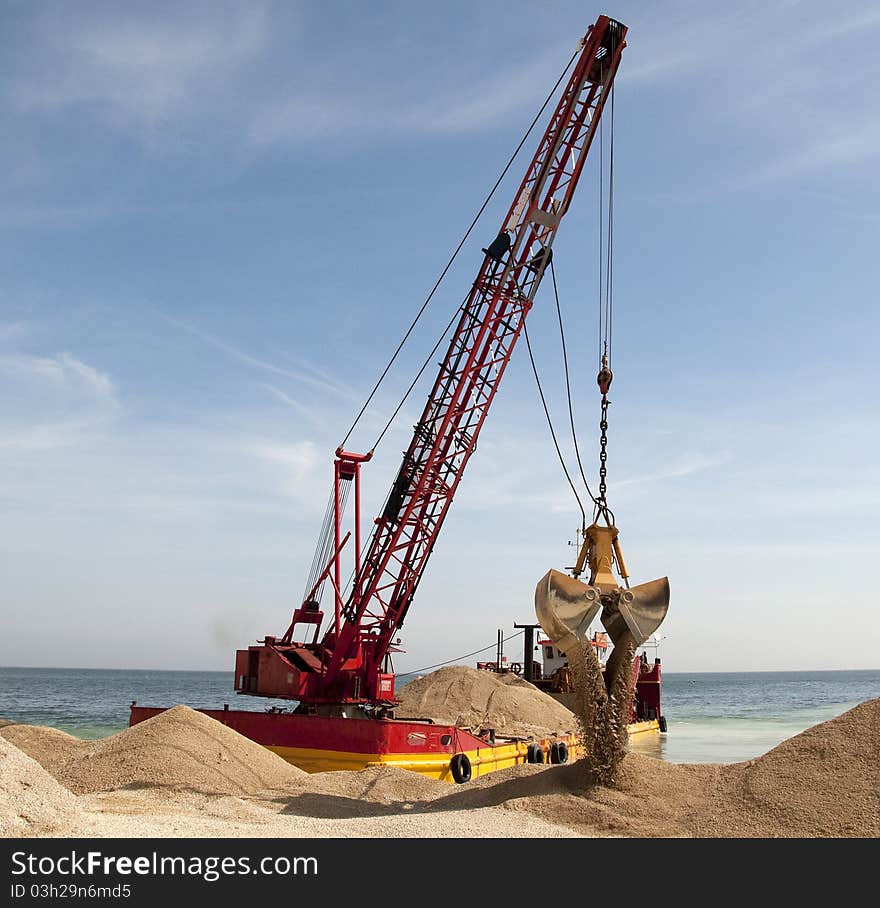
[465,656]
[452,259]
[606,246]
[605,375]
[412,384]
[606,312]
[568,385]
[609,249]
[550,426]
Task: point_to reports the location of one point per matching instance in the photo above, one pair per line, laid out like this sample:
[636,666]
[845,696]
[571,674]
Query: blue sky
[218,219]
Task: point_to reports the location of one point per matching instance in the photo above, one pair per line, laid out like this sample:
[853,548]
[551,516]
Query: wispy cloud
[389,109]
[856,145]
[62,370]
[300,456]
[657,69]
[686,466]
[12,330]
[313,377]
[45,437]
[799,114]
[47,215]
[826,28]
[52,401]
[484,104]
[296,466]
[286,399]
[669,45]
[139,65]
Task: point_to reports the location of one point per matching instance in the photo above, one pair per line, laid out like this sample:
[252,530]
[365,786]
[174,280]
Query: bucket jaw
[640,610]
[566,606]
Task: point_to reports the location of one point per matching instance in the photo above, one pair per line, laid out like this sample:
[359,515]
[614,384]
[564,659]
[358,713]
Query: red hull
[361,736]
[322,744]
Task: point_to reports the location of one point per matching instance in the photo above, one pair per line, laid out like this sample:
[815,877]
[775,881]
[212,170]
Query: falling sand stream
[602,705]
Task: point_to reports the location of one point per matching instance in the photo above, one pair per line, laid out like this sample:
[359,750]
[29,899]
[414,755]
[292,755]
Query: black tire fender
[559,752]
[662,723]
[460,766]
[535,754]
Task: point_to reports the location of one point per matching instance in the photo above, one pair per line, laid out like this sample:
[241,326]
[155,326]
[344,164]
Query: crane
[346,671]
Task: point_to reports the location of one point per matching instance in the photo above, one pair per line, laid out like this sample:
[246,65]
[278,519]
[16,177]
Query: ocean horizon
[712,717]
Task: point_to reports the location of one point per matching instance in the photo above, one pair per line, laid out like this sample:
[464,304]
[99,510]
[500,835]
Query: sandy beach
[182,774]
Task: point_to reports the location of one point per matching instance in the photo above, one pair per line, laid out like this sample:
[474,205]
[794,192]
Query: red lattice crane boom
[348,668]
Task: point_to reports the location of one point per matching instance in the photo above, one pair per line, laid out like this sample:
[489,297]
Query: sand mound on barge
[179,749]
[470,698]
[31,801]
[50,747]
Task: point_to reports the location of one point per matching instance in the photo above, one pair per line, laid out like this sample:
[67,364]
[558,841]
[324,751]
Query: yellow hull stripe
[641,728]
[435,766]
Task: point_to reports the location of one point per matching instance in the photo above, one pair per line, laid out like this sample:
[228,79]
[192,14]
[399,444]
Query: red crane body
[349,666]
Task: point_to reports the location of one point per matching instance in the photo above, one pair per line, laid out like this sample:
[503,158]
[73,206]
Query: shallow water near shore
[727,717]
[712,717]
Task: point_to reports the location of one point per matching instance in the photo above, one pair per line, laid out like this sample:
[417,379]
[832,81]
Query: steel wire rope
[568,385]
[465,656]
[325,542]
[552,430]
[458,248]
[609,246]
[606,342]
[366,545]
[455,314]
[601,257]
[319,548]
[412,384]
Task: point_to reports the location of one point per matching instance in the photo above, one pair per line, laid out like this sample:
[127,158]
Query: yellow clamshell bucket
[566,607]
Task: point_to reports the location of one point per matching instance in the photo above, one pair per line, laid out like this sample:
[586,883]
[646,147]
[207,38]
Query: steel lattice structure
[348,665]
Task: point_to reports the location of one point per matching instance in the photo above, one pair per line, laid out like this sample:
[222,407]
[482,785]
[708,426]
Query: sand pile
[183,774]
[179,749]
[650,798]
[377,785]
[823,782]
[374,791]
[471,698]
[50,747]
[31,801]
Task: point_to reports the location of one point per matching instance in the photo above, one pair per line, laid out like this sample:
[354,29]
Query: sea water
[711,717]
[726,717]
[93,703]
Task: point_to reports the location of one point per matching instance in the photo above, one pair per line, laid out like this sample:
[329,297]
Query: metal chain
[604,379]
[603,453]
